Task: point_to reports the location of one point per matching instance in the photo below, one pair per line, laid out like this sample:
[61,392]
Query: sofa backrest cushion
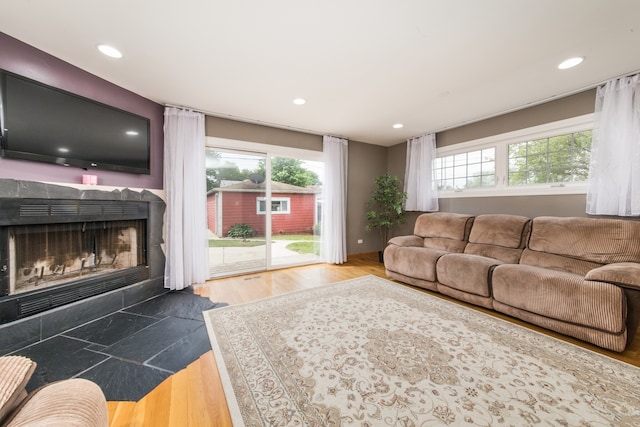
[446,225]
[509,231]
[498,236]
[596,240]
[444,230]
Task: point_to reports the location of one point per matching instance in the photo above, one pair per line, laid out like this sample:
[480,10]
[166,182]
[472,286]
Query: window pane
[460,159]
[448,173]
[488,180]
[447,184]
[474,157]
[562,142]
[517,178]
[489,168]
[488,154]
[460,183]
[448,161]
[537,147]
[474,169]
[466,170]
[562,158]
[517,150]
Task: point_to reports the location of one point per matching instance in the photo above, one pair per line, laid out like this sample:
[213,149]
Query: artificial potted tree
[385,208]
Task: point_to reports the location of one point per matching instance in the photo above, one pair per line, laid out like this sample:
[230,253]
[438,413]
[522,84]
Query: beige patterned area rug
[370,352]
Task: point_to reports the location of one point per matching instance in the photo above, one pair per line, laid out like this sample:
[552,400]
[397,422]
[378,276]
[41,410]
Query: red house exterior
[293,211]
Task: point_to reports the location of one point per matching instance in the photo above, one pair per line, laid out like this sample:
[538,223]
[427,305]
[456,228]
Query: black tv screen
[46,124]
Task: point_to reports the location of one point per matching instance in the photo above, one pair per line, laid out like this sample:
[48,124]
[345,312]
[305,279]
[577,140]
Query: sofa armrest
[620,273]
[411,240]
[15,372]
[72,402]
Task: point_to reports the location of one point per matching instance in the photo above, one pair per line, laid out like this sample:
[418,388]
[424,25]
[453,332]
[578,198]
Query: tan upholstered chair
[69,403]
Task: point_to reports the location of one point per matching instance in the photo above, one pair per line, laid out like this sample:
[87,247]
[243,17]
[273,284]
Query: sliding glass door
[264,211]
[296,205]
[237,242]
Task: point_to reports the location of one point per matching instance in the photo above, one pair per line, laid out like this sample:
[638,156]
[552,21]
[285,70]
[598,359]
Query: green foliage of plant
[385,206]
[289,171]
[285,170]
[240,231]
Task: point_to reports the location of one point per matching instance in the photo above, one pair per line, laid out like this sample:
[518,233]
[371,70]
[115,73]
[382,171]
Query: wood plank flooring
[194,397]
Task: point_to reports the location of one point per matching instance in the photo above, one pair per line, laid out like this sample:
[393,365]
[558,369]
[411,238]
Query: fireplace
[57,251]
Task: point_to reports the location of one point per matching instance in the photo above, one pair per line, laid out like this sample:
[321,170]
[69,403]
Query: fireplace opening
[57,251]
[47,255]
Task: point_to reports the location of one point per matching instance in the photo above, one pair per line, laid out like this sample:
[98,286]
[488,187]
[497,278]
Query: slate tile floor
[130,352]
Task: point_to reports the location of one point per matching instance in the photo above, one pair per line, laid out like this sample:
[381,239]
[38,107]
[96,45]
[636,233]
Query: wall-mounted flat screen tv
[46,124]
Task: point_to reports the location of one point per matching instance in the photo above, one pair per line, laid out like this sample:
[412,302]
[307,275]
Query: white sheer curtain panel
[334,203]
[614,175]
[184,183]
[421,188]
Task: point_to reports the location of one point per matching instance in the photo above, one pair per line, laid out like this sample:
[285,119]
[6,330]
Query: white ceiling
[362,65]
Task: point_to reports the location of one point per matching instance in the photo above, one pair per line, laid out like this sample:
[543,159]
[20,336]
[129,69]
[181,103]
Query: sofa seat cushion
[561,295]
[419,263]
[468,273]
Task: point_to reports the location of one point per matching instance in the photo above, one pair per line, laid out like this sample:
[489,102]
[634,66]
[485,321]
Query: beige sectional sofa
[576,276]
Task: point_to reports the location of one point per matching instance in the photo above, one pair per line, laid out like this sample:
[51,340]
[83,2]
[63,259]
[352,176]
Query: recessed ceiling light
[131,132]
[571,62]
[398,126]
[110,51]
[63,150]
[299,101]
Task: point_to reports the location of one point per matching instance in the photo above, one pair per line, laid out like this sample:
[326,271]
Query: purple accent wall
[25,60]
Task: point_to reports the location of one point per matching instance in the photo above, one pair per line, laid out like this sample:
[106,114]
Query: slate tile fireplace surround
[69,256]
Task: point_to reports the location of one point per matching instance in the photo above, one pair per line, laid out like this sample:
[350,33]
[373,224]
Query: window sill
[543,190]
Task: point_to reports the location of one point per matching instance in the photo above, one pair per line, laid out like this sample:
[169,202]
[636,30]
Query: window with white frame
[557,159]
[279,205]
[471,169]
[547,159]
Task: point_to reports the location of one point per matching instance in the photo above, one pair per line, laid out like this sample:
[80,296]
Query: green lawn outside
[303,243]
[295,237]
[234,243]
[308,247]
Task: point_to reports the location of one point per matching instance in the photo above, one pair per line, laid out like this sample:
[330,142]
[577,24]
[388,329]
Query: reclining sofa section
[576,276]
